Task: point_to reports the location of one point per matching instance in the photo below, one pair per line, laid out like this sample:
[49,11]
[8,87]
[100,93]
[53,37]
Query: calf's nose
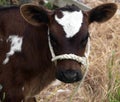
[69,76]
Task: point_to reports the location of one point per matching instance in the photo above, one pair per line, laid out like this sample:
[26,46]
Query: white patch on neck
[71,22]
[16,43]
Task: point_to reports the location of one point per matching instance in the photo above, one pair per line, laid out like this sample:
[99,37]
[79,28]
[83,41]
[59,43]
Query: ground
[102,83]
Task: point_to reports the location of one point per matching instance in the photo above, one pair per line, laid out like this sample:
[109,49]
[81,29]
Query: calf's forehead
[71,22]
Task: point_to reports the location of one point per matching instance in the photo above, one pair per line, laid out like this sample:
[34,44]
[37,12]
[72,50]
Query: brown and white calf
[42,45]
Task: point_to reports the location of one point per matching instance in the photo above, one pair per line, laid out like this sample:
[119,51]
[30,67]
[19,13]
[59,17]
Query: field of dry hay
[102,83]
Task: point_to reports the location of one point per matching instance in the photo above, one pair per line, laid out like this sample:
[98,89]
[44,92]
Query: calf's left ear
[35,14]
[102,13]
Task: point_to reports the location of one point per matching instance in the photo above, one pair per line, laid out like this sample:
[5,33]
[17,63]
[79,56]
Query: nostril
[69,74]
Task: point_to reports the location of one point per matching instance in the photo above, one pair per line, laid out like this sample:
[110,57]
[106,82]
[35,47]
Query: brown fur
[25,71]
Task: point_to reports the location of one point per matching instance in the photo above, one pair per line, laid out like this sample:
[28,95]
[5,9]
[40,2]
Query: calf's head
[68,36]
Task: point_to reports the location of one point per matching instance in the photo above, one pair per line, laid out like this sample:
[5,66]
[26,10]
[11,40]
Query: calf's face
[68,34]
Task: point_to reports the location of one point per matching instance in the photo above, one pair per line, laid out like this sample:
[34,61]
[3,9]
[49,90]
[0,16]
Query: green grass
[49,5]
[114,81]
[114,96]
[4,2]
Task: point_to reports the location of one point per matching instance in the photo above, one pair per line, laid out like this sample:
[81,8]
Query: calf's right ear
[102,13]
[34,14]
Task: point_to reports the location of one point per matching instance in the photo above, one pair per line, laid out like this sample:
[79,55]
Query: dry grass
[103,79]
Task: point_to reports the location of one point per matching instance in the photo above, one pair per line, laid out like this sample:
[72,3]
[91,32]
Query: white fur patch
[71,22]
[16,43]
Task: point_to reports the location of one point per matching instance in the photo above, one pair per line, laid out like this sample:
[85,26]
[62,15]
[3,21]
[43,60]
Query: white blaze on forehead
[71,22]
[16,43]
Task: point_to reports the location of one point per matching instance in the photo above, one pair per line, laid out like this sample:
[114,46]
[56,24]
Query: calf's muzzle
[69,76]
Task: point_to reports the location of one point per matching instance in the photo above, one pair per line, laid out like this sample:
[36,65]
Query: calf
[38,45]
